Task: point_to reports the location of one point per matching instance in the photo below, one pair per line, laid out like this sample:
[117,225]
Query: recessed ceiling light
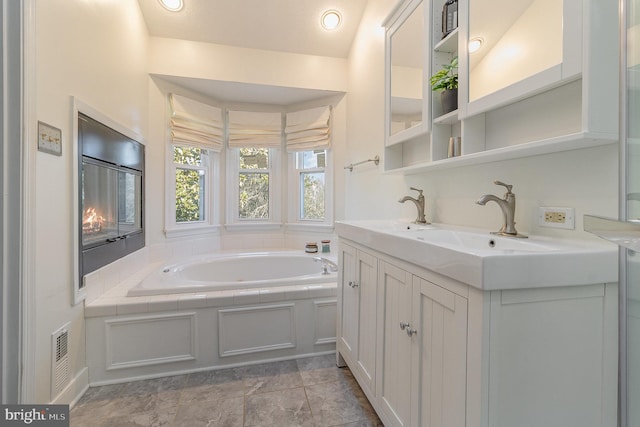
[475,44]
[331,19]
[172,5]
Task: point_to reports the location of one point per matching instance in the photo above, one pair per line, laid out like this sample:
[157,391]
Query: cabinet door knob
[404,325]
[353,284]
[411,331]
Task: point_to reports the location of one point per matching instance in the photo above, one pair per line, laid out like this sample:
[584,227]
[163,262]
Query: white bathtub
[232,271]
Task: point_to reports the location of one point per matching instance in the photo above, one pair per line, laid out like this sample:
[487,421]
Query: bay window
[254,145]
[261,189]
[192,179]
[310,188]
[193,197]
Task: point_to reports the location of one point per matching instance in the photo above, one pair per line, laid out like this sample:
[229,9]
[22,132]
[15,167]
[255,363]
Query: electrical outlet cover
[556,217]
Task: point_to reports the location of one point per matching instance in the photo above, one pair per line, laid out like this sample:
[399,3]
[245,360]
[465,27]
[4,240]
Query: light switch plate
[49,139]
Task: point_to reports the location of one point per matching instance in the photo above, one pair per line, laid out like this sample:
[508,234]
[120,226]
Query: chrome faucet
[419,202]
[508,208]
[327,265]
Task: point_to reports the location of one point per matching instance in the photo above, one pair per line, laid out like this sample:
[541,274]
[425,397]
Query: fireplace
[111,194]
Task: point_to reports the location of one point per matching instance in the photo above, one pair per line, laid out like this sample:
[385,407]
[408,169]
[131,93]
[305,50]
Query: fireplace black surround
[111,194]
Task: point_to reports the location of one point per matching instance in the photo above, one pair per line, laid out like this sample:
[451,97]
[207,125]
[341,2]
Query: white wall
[227,63]
[368,193]
[583,179]
[95,51]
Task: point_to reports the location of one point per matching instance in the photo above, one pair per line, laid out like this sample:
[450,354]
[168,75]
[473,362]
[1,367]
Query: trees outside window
[253,182]
[191,166]
[310,179]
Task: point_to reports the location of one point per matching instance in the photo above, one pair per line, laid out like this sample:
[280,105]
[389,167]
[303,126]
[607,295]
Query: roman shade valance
[308,129]
[255,129]
[196,124]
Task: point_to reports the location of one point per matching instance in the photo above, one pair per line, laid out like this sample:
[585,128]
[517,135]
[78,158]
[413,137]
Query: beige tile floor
[304,392]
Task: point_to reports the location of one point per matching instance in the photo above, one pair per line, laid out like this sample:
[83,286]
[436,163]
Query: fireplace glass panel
[130,198]
[111,201]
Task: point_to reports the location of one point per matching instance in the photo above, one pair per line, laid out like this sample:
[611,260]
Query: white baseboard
[208,368]
[74,390]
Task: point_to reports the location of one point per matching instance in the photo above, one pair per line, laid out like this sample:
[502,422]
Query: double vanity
[450,326]
[447,326]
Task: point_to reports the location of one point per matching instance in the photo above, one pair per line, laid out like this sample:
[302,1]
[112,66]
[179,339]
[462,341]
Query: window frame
[211,166]
[294,220]
[233,191]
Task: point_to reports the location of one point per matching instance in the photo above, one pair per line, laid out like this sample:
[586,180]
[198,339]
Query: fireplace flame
[92,222]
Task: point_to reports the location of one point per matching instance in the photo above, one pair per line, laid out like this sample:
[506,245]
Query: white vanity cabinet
[450,354]
[552,356]
[394,353]
[422,356]
[356,342]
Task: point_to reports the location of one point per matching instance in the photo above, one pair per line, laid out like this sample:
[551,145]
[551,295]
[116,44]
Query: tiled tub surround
[131,338]
[308,391]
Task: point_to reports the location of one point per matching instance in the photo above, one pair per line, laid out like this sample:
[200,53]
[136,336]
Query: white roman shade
[196,124]
[255,129]
[309,129]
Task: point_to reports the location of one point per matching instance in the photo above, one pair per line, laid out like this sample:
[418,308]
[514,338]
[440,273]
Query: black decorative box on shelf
[449,17]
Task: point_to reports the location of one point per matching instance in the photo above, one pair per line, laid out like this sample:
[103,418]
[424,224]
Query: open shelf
[448,44]
[447,119]
[552,145]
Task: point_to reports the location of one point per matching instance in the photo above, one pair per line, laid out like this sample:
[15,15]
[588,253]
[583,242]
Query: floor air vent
[60,361]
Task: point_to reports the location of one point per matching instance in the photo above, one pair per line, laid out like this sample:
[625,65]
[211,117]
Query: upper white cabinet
[543,80]
[407,114]
[534,45]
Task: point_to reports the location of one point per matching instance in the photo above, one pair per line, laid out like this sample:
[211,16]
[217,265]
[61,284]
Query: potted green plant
[446,80]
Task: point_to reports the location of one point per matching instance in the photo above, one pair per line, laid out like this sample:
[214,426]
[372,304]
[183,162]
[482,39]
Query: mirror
[519,39]
[406,78]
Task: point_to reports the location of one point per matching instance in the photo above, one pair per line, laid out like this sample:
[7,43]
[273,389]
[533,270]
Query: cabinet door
[394,365]
[349,304]
[357,323]
[439,356]
[366,284]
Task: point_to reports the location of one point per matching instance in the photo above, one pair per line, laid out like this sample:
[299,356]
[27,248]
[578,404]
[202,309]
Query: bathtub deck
[115,301]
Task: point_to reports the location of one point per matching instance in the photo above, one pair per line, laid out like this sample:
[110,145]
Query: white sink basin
[475,241]
[488,261]
[406,225]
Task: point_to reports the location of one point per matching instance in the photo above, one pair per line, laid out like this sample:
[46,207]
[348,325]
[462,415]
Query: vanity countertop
[486,261]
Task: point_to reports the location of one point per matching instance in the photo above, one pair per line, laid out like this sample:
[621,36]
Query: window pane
[189,195]
[187,155]
[311,159]
[254,196]
[254,158]
[312,195]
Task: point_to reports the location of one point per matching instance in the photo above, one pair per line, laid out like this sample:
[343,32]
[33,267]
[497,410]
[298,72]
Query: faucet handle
[416,189]
[507,186]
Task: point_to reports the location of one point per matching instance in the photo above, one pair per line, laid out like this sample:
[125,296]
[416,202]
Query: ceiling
[280,25]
